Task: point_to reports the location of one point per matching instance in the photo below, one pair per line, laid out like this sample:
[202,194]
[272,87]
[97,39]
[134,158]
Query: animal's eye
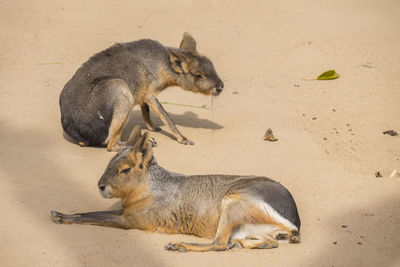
[125,170]
[199,77]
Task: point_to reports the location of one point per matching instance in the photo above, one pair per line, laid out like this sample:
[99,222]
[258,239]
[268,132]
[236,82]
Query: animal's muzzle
[102,187]
[218,89]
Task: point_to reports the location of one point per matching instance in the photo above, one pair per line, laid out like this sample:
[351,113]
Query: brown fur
[215,207]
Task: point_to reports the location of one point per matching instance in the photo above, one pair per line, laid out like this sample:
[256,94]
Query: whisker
[212,106]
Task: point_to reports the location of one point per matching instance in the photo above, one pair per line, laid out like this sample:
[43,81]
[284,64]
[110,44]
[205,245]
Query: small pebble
[269,136]
[344,226]
[378,174]
[314,118]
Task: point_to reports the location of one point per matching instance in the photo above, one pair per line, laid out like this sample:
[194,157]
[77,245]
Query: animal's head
[195,72]
[127,172]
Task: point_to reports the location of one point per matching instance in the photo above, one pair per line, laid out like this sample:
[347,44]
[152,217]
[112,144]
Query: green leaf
[328,75]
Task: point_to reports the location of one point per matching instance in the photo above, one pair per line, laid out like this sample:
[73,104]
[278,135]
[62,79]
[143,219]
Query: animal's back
[199,198]
[126,61]
[88,120]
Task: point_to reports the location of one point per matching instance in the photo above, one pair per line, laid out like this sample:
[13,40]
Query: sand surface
[330,132]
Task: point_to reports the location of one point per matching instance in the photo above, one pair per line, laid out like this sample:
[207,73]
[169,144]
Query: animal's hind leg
[122,105]
[233,214]
[255,243]
[71,131]
[244,222]
[114,133]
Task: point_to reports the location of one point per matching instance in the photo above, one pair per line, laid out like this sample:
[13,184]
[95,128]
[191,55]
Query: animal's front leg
[146,117]
[185,247]
[103,218]
[160,111]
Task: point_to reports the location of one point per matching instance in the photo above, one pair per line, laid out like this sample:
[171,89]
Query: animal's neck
[136,196]
[167,78]
[156,172]
[143,189]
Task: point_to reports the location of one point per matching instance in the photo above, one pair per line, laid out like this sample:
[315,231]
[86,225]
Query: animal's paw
[154,128]
[57,217]
[117,147]
[153,142]
[83,144]
[186,141]
[232,245]
[175,246]
[268,245]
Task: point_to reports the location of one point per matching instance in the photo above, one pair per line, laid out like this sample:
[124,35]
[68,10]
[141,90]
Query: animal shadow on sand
[187,119]
[40,186]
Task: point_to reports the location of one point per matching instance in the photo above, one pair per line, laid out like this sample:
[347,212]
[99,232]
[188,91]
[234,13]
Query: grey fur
[155,199]
[112,81]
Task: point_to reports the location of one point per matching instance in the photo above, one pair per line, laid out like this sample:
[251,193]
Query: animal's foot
[153,142]
[57,217]
[268,245]
[185,141]
[175,246]
[154,128]
[117,147]
[295,237]
[232,245]
[83,144]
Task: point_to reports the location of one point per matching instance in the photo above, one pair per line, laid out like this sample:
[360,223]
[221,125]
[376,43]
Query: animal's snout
[218,88]
[102,187]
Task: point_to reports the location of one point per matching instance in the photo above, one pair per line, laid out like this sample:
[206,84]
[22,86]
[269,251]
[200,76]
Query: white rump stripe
[256,231]
[274,214]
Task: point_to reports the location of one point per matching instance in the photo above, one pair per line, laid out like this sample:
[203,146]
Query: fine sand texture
[330,141]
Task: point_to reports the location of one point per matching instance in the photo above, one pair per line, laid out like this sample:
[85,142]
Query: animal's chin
[205,92]
[215,93]
[106,195]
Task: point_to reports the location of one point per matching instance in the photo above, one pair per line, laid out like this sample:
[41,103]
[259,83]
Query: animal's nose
[219,89]
[102,187]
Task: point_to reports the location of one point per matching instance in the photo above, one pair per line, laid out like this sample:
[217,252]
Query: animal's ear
[141,153]
[188,43]
[135,135]
[178,61]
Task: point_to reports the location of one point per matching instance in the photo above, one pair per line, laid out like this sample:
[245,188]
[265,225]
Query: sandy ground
[261,51]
